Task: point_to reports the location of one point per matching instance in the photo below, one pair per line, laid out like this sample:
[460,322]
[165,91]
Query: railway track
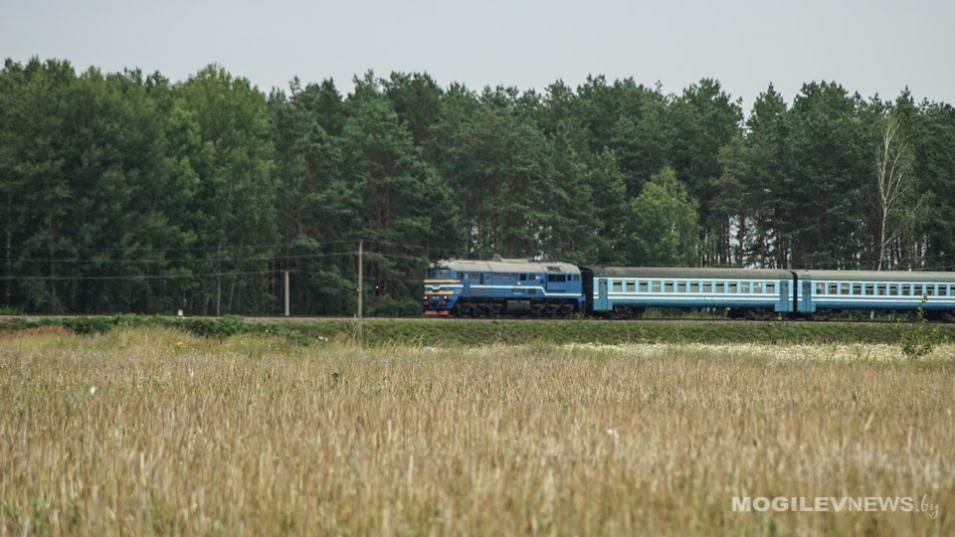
[714,320]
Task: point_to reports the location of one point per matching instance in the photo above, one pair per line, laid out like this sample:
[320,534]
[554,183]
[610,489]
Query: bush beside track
[426,332]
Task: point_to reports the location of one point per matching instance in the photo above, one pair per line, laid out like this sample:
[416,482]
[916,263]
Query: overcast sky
[868,46]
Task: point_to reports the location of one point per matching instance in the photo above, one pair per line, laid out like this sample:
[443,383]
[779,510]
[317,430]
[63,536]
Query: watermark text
[823,504]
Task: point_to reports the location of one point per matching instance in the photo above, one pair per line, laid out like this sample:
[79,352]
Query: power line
[223,259]
[178,261]
[184,248]
[138,276]
[227,248]
[200,275]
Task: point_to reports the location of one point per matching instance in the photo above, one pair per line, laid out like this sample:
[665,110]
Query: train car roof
[677,272]
[876,276]
[509,265]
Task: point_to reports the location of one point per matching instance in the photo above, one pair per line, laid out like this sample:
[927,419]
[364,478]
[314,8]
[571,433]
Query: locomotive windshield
[439,273]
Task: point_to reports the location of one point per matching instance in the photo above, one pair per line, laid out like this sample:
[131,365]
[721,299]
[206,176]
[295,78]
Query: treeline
[123,192]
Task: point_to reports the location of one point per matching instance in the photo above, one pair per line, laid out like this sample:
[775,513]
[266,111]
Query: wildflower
[92,390]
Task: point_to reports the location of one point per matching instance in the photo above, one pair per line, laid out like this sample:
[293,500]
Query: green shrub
[920,338]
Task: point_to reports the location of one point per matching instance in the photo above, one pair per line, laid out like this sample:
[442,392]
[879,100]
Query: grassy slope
[458,332]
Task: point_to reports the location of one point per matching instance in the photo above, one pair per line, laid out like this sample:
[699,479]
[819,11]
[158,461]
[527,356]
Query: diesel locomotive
[518,287]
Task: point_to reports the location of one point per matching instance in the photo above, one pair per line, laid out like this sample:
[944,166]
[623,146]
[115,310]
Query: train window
[707,287]
[656,286]
[617,286]
[694,287]
[757,287]
[556,278]
[523,277]
[880,289]
[719,287]
[892,289]
[820,288]
[833,289]
[771,287]
[681,287]
[481,278]
[929,290]
[667,287]
[942,290]
[731,287]
[857,288]
[644,287]
[918,289]
[869,289]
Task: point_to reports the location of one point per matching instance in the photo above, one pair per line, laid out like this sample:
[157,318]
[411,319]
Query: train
[527,288]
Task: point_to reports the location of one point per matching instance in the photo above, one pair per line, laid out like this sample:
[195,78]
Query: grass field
[156,431]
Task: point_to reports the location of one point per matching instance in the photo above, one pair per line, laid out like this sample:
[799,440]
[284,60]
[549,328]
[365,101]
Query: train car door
[603,300]
[783,306]
[806,304]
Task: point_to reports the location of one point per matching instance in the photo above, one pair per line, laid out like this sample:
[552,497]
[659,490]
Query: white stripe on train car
[693,297]
[886,298]
[524,287]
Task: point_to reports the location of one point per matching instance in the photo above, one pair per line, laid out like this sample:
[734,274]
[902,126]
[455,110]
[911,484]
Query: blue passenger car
[834,290]
[629,290]
[470,288]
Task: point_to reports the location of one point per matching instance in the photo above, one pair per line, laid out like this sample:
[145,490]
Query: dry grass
[152,431]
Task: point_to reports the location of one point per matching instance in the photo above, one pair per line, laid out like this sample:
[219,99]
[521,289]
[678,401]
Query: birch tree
[896,187]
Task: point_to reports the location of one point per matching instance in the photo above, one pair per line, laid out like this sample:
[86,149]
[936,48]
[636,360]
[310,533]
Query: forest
[127,192]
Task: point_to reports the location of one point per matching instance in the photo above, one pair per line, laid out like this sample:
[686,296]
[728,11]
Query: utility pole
[9,272]
[361,279]
[286,294]
[219,281]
